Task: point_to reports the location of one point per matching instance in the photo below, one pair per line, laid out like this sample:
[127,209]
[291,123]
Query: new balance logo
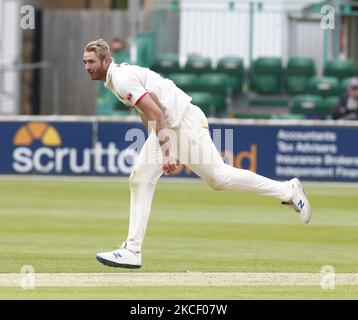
[117,255]
[301,204]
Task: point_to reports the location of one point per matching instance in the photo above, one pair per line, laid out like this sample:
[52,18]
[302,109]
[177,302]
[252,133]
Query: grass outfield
[172,293]
[58,226]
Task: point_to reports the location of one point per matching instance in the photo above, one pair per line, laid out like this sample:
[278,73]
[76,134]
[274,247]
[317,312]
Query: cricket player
[178,130]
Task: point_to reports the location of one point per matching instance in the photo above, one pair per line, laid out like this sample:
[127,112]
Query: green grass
[59,226]
[173,293]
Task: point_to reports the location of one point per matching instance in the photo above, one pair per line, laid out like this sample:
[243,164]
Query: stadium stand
[306,104]
[205,101]
[265,75]
[323,86]
[339,68]
[294,90]
[167,64]
[185,81]
[198,65]
[298,72]
[234,68]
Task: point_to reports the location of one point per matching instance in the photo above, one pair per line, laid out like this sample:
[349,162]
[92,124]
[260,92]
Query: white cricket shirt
[130,83]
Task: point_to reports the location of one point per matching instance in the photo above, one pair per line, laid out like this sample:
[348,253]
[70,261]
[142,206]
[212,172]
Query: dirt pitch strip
[174,279]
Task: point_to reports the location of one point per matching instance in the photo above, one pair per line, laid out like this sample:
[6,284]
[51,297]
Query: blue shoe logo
[301,204]
[117,255]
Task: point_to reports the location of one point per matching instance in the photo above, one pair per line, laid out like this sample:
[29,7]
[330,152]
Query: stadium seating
[185,81]
[255,116]
[218,83]
[339,68]
[289,116]
[109,105]
[258,116]
[306,104]
[328,104]
[198,65]
[298,73]
[166,64]
[233,67]
[265,75]
[323,86]
[211,89]
[122,57]
[344,85]
[219,102]
[205,101]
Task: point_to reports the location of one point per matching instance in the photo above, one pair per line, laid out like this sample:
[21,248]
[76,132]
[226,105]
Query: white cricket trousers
[192,134]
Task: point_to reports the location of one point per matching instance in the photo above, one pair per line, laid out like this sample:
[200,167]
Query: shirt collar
[109,75]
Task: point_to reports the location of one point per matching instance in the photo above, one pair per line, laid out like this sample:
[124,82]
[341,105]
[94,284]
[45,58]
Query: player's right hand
[169,164]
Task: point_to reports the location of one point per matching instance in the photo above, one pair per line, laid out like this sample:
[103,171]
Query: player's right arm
[129,86]
[151,114]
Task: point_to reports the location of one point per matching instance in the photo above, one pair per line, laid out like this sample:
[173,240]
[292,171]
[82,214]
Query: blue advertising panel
[56,148]
[120,144]
[109,148]
[316,153]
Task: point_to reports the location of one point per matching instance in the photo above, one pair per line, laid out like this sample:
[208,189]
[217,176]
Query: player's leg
[143,181]
[195,139]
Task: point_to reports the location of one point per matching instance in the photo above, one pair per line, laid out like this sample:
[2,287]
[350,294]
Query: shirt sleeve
[129,89]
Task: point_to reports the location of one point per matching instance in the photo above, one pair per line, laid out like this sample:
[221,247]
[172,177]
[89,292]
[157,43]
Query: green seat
[344,85]
[296,84]
[185,81]
[216,83]
[339,68]
[323,86]
[122,57]
[266,84]
[268,65]
[107,109]
[198,65]
[298,73]
[328,104]
[234,68]
[289,116]
[266,75]
[355,71]
[306,104]
[166,64]
[205,101]
[255,116]
[219,102]
[108,104]
[301,66]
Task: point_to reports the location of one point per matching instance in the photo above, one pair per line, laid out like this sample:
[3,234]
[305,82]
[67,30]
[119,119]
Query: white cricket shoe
[121,258]
[299,201]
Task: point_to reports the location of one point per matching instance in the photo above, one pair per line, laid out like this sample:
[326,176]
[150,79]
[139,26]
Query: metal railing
[215,28]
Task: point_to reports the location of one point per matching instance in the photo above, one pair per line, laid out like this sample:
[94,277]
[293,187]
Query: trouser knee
[139,178]
[216,180]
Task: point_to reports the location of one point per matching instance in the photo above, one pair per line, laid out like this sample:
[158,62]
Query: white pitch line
[174,279]
[53,178]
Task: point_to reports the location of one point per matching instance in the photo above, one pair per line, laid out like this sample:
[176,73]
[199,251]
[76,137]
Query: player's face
[94,66]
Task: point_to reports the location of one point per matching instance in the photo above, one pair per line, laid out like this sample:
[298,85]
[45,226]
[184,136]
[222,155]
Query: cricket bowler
[164,108]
